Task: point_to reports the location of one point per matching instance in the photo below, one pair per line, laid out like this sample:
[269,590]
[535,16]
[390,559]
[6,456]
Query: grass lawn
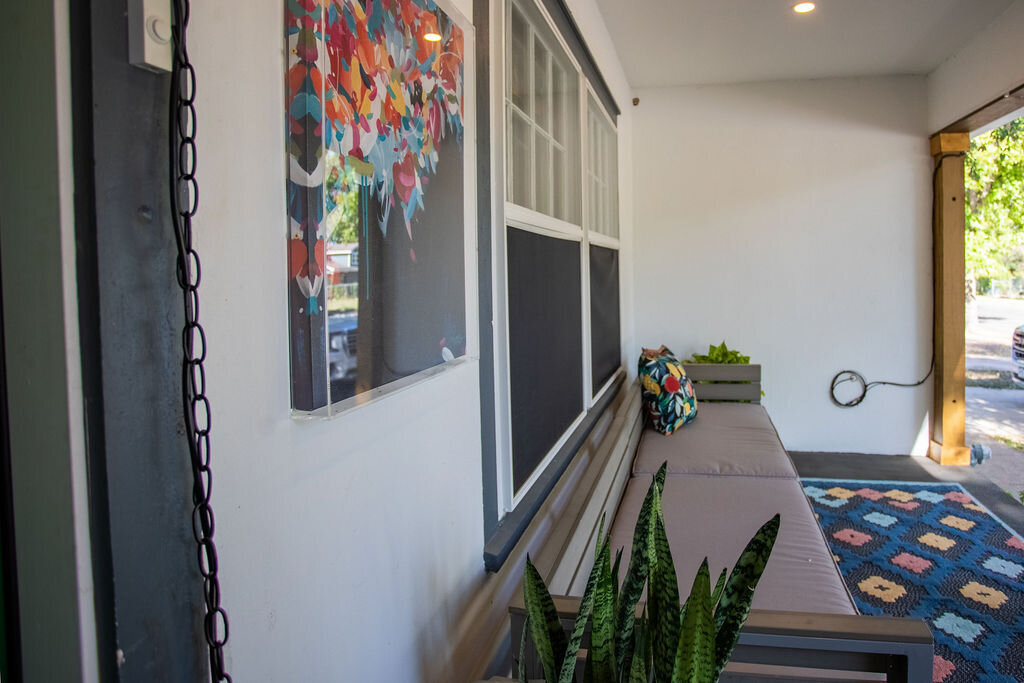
[990,379]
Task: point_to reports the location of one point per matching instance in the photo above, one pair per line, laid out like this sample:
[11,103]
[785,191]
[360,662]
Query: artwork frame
[396,112]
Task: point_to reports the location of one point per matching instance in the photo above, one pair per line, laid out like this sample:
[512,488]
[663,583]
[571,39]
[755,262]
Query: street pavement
[996,412]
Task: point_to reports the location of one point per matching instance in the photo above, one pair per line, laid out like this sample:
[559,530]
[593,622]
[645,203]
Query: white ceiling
[675,42]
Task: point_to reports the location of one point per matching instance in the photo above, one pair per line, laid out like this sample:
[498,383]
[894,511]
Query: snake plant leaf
[638,654]
[568,669]
[662,594]
[545,628]
[695,653]
[716,595]
[659,476]
[602,632]
[615,583]
[734,605]
[638,661]
[636,572]
[522,651]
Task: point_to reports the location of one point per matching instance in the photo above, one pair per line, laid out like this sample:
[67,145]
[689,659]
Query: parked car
[1018,356]
[342,335]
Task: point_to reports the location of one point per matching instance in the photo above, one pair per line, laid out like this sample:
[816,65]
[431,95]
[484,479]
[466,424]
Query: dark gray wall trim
[511,528]
[488,444]
[90,349]
[574,38]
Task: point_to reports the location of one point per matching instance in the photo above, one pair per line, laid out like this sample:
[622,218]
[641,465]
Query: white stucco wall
[986,68]
[791,219]
[346,545]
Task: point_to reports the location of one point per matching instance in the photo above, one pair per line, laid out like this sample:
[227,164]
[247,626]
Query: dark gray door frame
[86,262]
[149,592]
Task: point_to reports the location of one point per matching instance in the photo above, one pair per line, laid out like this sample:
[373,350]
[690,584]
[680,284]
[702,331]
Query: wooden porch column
[948,413]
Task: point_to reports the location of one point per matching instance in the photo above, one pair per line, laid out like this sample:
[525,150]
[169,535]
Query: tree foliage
[342,201]
[995,203]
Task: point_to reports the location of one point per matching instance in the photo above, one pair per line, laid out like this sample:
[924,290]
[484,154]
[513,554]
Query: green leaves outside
[994,182]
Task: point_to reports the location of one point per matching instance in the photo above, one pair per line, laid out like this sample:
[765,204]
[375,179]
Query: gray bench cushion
[724,439]
[716,516]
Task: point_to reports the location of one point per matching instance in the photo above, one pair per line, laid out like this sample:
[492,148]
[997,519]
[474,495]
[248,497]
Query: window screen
[545,345]
[604,314]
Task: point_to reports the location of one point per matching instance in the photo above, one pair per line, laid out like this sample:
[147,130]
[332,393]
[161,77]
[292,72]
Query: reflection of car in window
[341,344]
[1018,356]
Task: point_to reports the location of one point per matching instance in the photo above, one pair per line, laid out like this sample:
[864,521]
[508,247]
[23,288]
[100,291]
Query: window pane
[545,345]
[602,172]
[558,182]
[520,160]
[551,109]
[592,193]
[542,86]
[612,185]
[519,61]
[559,84]
[543,174]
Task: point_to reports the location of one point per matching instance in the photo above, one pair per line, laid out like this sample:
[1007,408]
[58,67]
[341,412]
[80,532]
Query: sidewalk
[995,413]
[998,412]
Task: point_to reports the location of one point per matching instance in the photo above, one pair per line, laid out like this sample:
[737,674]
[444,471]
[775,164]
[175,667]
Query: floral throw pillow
[667,392]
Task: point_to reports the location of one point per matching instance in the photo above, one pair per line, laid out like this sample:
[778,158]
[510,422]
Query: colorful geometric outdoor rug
[910,549]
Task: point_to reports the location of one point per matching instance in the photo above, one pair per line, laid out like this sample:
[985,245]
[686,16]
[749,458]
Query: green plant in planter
[668,643]
[720,354]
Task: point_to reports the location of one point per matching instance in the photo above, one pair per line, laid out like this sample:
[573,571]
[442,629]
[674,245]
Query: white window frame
[596,238]
[599,238]
[505,214]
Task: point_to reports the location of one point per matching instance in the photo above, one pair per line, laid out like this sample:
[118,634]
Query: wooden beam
[948,445]
[987,113]
[950,143]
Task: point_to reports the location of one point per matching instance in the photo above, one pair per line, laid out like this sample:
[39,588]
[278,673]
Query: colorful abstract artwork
[374,92]
[393,95]
[912,549]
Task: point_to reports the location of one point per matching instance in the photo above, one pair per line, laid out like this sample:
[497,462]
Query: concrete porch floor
[908,468]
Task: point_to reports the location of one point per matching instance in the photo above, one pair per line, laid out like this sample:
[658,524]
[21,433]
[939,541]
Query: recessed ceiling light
[435,37]
[803,7]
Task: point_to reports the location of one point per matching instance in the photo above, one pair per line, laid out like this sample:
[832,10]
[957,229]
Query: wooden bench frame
[725,382]
[899,649]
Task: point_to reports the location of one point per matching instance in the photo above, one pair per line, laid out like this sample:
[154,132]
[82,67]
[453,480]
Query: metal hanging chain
[184,192]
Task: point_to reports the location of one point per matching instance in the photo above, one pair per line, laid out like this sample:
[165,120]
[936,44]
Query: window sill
[511,528]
